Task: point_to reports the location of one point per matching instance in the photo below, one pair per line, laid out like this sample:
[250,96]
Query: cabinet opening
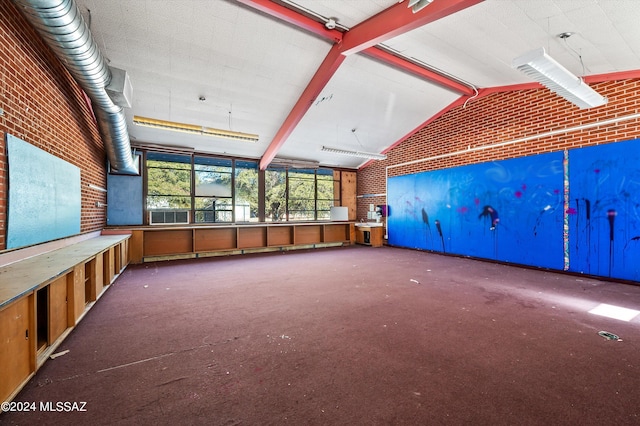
[42,318]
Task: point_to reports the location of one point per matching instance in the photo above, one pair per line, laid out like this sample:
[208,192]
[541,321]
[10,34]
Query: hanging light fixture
[193,129]
[362,154]
[551,74]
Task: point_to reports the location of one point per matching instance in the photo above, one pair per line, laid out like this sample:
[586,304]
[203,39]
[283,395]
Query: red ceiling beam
[391,22]
[418,70]
[320,79]
[292,17]
[397,20]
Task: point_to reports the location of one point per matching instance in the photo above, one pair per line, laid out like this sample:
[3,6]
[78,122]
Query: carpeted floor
[345,336]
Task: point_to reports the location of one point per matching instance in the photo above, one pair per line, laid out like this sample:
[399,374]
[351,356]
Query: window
[275,195]
[168,182]
[184,188]
[246,191]
[302,195]
[299,194]
[213,195]
[326,194]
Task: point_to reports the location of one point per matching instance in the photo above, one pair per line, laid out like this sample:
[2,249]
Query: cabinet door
[15,356]
[58,310]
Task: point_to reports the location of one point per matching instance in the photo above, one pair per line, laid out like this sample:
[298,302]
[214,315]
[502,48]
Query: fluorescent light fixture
[193,129]
[371,155]
[418,5]
[615,312]
[548,72]
[295,163]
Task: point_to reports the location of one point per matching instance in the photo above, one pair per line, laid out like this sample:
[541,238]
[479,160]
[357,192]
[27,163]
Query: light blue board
[44,195]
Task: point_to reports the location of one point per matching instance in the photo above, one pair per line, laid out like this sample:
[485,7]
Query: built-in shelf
[188,241]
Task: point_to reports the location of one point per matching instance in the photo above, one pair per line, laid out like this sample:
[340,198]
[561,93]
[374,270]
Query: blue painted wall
[124,200]
[515,210]
[44,195]
[509,210]
[604,210]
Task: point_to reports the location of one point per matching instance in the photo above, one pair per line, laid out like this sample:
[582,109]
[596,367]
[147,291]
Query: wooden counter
[164,242]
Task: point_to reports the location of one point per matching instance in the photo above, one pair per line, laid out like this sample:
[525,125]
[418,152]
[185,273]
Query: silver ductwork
[62,27]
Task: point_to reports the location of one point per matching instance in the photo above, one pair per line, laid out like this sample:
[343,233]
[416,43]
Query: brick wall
[44,106]
[505,117]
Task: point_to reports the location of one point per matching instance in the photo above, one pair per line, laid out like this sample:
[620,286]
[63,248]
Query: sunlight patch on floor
[615,312]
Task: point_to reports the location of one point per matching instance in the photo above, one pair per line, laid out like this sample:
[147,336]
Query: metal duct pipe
[62,27]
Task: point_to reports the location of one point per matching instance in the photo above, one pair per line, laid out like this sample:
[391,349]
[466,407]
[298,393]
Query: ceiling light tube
[548,72]
[193,129]
[370,155]
[295,163]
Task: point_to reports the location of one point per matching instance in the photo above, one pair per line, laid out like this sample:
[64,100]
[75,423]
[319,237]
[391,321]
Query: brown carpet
[346,336]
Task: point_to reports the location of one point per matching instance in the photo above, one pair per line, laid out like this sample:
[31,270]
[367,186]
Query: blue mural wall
[604,210]
[576,211]
[509,211]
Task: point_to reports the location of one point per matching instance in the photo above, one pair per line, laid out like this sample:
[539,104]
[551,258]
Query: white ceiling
[252,68]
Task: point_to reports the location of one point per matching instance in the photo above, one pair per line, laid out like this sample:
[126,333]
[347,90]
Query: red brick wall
[44,106]
[505,117]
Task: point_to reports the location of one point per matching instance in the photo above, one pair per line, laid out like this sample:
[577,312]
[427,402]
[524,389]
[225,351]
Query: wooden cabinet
[370,235]
[44,296]
[16,336]
[151,243]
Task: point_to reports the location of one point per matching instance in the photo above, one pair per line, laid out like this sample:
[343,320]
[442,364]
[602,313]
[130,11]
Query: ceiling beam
[391,22]
[397,20]
[329,66]
[295,18]
[417,70]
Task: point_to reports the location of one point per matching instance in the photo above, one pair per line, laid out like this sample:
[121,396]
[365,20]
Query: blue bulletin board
[44,201]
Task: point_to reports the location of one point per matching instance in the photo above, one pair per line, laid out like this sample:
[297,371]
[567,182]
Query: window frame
[256,205]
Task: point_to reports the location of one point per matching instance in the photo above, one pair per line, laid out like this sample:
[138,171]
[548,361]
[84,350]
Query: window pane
[224,216]
[324,215]
[246,191]
[325,205]
[302,189]
[205,203]
[204,216]
[212,177]
[325,189]
[169,182]
[301,215]
[213,210]
[275,199]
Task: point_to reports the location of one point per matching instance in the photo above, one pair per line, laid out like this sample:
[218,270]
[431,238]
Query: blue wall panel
[604,210]
[44,195]
[124,200]
[510,211]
